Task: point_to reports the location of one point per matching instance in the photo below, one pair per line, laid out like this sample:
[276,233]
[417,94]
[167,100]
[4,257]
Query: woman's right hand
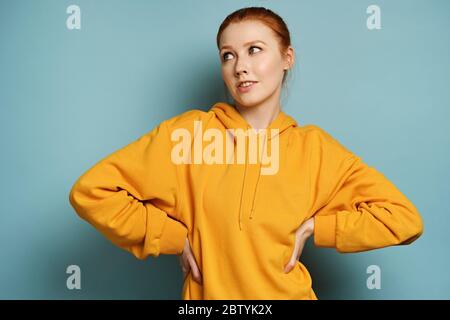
[188,263]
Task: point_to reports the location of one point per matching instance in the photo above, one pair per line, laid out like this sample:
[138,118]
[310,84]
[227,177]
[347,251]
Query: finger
[195,270]
[182,262]
[186,272]
[193,264]
[184,265]
[298,248]
[288,267]
[291,263]
[185,269]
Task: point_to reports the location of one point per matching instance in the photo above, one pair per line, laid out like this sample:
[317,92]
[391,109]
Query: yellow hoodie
[241,223]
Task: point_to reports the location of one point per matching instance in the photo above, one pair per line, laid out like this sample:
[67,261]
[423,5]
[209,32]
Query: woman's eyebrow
[245,44]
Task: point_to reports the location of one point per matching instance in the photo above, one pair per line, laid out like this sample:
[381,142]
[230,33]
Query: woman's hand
[188,263]
[305,230]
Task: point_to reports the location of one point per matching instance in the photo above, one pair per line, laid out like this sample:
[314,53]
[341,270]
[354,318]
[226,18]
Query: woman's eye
[255,47]
[226,53]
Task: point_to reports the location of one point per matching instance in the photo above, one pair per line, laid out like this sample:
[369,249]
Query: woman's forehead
[241,33]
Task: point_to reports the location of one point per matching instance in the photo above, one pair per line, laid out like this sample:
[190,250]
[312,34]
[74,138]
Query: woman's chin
[248,102]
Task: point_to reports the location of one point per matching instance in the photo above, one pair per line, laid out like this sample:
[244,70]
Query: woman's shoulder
[317,135]
[187,118]
[328,143]
[312,131]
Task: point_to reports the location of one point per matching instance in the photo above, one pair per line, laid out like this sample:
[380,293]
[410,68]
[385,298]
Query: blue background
[70,97]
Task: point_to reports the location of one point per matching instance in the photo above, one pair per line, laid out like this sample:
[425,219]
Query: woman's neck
[261,116]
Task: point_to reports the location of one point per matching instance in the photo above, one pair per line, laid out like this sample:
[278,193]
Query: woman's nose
[241,67]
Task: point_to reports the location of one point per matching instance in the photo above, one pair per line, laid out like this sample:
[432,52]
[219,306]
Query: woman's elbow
[72,196]
[76,200]
[415,229]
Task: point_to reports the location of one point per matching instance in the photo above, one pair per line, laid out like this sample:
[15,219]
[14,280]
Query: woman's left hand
[305,230]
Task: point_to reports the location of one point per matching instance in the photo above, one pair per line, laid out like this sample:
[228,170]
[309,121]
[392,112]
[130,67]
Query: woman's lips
[247,89]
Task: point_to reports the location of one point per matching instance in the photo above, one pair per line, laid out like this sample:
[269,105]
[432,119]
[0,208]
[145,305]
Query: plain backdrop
[69,97]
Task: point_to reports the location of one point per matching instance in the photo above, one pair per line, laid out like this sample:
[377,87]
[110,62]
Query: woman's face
[249,50]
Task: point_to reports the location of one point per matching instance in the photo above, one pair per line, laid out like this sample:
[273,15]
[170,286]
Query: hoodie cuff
[173,237]
[325,231]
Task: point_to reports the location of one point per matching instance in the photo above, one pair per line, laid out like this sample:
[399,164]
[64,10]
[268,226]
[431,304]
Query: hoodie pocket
[299,274]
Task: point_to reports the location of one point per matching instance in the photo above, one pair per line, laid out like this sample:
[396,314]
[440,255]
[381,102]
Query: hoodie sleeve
[132,197]
[356,208]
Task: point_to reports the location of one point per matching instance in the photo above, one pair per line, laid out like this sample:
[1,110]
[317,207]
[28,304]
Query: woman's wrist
[307,229]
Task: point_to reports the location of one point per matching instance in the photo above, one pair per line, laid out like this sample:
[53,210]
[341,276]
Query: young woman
[237,190]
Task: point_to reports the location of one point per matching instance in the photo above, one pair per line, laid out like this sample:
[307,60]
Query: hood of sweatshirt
[231,118]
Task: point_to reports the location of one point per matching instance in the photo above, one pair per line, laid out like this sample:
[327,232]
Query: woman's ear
[290,57]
